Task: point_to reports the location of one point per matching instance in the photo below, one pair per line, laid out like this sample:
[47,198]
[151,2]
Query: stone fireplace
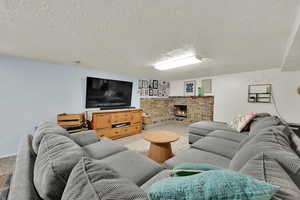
[180,111]
[181,108]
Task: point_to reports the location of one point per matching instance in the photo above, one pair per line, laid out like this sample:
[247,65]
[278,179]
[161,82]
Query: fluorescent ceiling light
[178,61]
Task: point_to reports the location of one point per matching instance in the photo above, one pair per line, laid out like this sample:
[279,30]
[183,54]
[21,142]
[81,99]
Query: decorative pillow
[264,168]
[214,184]
[94,180]
[55,160]
[187,169]
[241,121]
[43,129]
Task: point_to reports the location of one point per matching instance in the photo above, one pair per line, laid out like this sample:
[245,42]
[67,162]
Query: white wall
[34,91]
[231,92]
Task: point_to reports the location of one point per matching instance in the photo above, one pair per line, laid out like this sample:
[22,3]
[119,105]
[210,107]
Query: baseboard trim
[7,156]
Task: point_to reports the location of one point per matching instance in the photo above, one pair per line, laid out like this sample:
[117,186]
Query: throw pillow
[187,169]
[94,180]
[215,184]
[43,129]
[55,160]
[264,168]
[241,121]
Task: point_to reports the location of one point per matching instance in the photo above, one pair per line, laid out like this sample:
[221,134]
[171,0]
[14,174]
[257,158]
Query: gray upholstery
[295,143]
[229,135]
[56,158]
[105,147]
[265,168]
[265,122]
[124,161]
[270,139]
[43,129]
[22,186]
[194,138]
[161,175]
[197,156]
[84,137]
[219,146]
[203,128]
[94,180]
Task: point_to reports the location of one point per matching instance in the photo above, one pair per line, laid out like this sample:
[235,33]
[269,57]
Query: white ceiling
[128,36]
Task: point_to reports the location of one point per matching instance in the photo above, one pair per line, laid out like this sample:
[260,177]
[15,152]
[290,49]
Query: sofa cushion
[161,175]
[94,180]
[262,123]
[265,168]
[43,129]
[194,138]
[56,158]
[214,184]
[197,156]
[267,140]
[123,163]
[229,135]
[21,186]
[105,147]
[85,137]
[220,146]
[202,128]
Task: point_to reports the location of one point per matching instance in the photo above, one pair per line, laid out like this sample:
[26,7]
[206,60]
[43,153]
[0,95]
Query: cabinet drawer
[120,117]
[102,121]
[103,132]
[136,117]
[136,128]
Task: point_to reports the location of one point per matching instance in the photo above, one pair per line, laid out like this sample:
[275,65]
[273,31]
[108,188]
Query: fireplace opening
[180,111]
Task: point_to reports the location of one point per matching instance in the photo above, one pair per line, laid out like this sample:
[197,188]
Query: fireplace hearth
[180,111]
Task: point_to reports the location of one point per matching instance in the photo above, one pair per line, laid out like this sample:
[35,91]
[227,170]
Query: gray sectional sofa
[267,152]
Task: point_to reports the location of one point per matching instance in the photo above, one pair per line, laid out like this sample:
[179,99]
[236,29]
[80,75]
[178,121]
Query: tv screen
[101,93]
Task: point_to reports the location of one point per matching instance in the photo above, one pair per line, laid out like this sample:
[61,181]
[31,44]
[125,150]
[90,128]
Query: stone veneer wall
[162,109]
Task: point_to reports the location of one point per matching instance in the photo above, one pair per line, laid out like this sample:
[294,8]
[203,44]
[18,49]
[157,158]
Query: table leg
[160,152]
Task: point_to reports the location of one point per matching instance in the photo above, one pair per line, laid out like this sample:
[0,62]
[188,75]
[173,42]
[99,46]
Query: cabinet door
[102,121]
[136,117]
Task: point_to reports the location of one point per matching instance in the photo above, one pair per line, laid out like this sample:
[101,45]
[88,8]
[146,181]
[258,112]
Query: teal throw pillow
[214,184]
[187,169]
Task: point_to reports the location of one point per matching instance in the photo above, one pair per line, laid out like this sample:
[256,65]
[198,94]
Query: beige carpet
[138,143]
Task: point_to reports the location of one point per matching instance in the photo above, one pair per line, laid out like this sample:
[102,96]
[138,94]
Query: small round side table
[160,147]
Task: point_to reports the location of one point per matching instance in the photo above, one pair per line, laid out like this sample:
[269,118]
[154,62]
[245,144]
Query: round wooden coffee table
[160,147]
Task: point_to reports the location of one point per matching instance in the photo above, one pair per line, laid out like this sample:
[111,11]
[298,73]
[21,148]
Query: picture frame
[155,92]
[140,84]
[145,84]
[190,88]
[150,84]
[150,92]
[155,84]
[146,92]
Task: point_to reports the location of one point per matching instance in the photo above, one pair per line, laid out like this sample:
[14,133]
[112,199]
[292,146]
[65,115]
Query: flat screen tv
[106,93]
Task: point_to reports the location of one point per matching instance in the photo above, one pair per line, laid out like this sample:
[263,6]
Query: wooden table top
[161,136]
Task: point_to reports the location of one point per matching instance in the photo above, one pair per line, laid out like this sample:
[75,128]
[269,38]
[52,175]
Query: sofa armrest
[85,137]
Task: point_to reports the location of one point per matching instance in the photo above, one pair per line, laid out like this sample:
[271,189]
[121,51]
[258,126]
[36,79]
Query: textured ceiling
[128,36]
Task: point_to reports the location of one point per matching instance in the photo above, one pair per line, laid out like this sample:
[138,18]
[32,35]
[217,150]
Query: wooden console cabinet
[106,122]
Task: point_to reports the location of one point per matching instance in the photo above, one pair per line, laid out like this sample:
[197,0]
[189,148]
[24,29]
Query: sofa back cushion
[269,139]
[264,168]
[262,123]
[43,129]
[56,158]
[94,180]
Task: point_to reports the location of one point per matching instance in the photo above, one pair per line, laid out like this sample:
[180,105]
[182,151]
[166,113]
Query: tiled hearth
[173,108]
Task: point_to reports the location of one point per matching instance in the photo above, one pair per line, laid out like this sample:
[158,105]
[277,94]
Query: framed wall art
[190,88]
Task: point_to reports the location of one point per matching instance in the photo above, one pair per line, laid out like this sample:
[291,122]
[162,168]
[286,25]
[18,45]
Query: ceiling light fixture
[179,61]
